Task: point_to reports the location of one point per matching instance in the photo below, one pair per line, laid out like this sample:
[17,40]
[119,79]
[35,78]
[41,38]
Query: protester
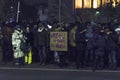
[40,42]
[90,44]
[80,46]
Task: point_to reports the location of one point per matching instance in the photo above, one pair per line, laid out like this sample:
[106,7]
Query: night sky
[34,2]
[29,8]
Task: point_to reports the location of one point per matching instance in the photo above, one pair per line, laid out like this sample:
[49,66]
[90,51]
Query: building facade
[96,10]
[94,3]
[88,10]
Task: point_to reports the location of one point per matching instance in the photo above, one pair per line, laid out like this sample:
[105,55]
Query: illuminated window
[78,3]
[106,1]
[115,2]
[96,3]
[103,2]
[87,3]
[93,3]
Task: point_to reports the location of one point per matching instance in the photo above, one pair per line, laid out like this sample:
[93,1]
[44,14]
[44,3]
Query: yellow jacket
[72,36]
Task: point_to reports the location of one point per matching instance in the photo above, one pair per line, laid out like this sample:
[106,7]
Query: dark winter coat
[99,44]
[40,38]
[80,40]
[111,43]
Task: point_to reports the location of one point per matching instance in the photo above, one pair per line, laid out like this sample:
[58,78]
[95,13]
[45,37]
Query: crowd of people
[90,44]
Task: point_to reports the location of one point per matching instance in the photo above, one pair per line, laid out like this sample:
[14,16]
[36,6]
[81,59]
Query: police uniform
[16,41]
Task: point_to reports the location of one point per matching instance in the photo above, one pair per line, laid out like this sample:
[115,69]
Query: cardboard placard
[58,41]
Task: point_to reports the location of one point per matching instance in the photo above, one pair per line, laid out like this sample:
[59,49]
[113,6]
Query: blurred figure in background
[111,46]
[7,54]
[89,45]
[100,42]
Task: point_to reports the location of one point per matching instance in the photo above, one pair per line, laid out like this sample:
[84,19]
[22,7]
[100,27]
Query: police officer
[17,36]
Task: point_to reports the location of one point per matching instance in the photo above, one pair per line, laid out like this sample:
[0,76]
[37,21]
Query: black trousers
[42,54]
[63,59]
[7,53]
[80,57]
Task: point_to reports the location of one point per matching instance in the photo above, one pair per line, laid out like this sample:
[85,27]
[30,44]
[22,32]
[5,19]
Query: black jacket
[111,42]
[40,38]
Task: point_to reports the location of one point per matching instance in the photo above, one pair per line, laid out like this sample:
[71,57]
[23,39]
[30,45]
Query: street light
[97,13]
[18,11]
[11,7]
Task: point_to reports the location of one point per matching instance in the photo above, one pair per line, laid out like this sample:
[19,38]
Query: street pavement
[52,72]
[57,74]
